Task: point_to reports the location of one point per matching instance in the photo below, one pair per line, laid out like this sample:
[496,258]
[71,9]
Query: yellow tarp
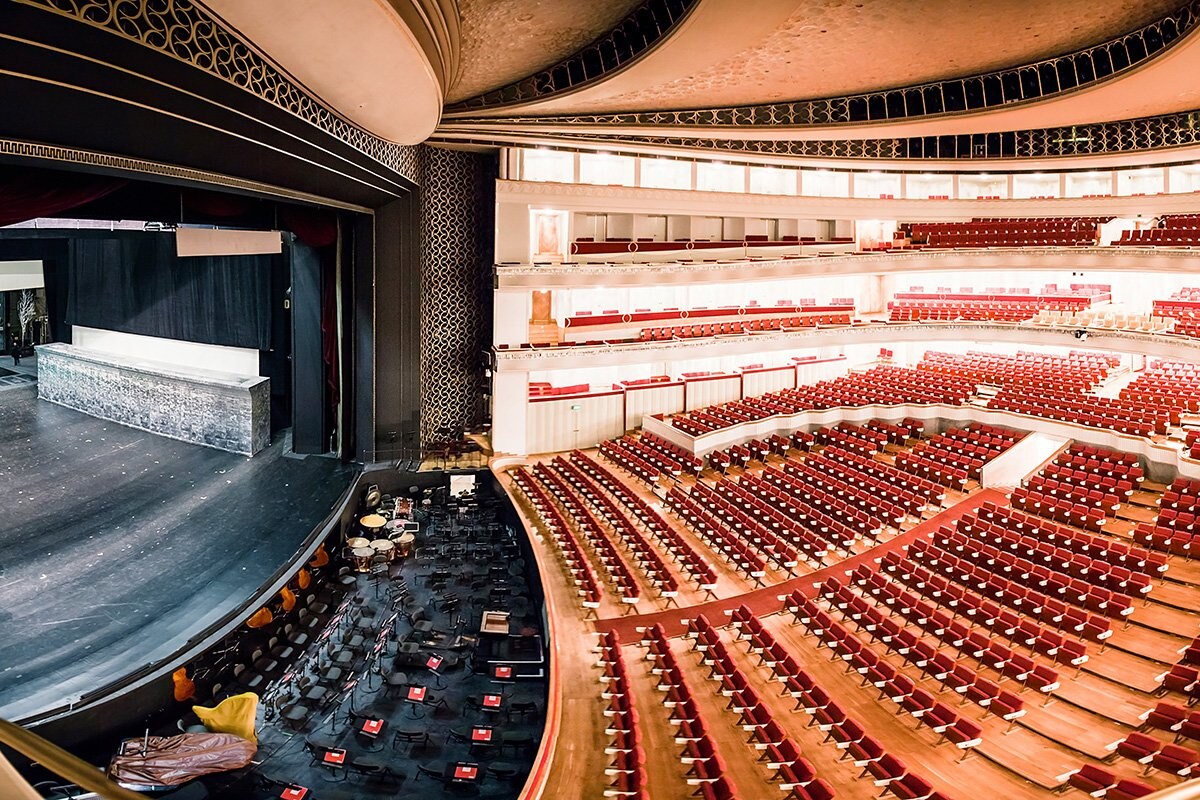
[232,715]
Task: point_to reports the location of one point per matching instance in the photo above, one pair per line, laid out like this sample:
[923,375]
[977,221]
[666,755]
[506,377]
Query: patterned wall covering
[457,202]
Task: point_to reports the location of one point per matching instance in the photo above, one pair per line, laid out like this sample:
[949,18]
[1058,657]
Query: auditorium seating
[1174,529]
[824,712]
[807,319]
[1025,232]
[1109,319]
[1081,487]
[993,305]
[1077,369]
[1171,385]
[534,493]
[627,767]
[1173,230]
[1184,307]
[957,456]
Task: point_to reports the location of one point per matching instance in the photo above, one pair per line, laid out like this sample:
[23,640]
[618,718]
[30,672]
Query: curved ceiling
[400,68]
[837,47]
[505,40]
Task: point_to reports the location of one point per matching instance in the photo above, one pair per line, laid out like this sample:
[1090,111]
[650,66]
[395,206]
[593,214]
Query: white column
[510,396]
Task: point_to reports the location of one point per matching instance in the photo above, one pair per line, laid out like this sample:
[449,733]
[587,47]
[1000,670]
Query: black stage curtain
[138,285]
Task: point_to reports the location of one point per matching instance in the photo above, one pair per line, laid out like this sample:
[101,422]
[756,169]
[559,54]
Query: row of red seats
[1160,237]
[1018,626]
[619,573]
[1174,385]
[857,438]
[892,598]
[1185,724]
[716,532]
[1120,489]
[1182,495]
[920,653]
[560,532]
[737,455]
[882,385]
[1094,412]
[899,688]
[842,730]
[1016,310]
[645,555]
[1100,782]
[1147,750]
[1047,493]
[1060,559]
[665,534]
[865,495]
[853,517]
[901,481]
[687,458]
[1072,590]
[1082,369]
[1183,679]
[1014,594]
[1167,540]
[779,519]
[617,452]
[1102,462]
[629,758]
[1192,443]
[795,774]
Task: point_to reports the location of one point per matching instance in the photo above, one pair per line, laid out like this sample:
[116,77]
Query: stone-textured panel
[226,412]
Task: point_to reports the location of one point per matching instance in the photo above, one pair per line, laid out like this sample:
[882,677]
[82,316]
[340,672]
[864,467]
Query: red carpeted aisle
[766,600]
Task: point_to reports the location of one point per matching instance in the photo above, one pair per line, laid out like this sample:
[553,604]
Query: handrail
[58,761]
[539,773]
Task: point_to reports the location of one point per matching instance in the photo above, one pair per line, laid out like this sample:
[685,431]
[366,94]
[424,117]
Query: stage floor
[118,546]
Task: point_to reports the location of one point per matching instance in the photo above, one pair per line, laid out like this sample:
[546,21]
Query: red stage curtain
[27,194]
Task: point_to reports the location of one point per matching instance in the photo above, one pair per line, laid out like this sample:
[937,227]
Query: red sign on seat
[481,734]
[416,693]
[463,772]
[335,757]
[372,727]
[491,701]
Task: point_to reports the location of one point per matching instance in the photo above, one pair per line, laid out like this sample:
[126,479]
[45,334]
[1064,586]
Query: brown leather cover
[172,760]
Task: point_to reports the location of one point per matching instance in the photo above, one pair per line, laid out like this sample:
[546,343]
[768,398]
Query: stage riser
[225,412]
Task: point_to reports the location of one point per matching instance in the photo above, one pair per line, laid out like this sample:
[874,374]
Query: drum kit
[386,533]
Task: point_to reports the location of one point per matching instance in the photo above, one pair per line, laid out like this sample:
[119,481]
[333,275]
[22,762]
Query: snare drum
[384,549]
[361,557]
[356,542]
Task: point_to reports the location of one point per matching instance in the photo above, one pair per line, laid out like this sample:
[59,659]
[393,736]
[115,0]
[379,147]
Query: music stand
[432,664]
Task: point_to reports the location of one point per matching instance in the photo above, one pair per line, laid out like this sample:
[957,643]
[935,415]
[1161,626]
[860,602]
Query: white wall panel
[639,401]
[570,422]
[703,392]
[761,382]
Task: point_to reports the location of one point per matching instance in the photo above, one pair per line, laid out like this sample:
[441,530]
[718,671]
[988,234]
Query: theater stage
[118,546]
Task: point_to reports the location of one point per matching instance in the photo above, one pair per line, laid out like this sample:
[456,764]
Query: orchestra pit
[643,399]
